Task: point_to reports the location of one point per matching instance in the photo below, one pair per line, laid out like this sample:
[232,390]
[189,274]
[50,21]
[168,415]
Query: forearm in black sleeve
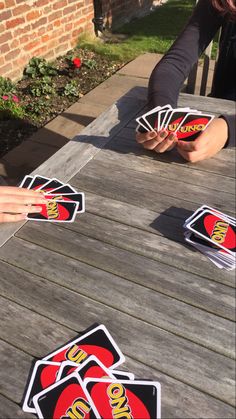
[231,122]
[169,74]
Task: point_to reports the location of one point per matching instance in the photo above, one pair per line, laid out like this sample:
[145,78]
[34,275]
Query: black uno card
[97,341]
[44,375]
[192,125]
[37,182]
[55,211]
[64,399]
[64,189]
[51,185]
[128,399]
[219,231]
[26,182]
[75,197]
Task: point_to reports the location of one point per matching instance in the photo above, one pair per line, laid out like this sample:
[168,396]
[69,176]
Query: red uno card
[56,211]
[192,125]
[97,341]
[124,399]
[216,229]
[64,399]
[44,375]
[174,120]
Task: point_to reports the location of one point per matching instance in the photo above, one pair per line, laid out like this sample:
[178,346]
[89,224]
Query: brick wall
[49,28]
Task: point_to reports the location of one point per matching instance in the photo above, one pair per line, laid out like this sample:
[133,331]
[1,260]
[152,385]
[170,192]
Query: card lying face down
[64,202]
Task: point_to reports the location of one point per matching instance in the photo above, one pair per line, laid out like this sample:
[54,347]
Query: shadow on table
[170,223]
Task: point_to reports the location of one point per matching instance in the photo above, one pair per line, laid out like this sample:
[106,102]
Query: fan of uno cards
[186,123]
[64,202]
[80,380]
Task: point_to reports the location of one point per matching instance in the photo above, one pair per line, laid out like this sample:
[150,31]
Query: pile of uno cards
[80,380]
[64,202]
[213,233]
[186,123]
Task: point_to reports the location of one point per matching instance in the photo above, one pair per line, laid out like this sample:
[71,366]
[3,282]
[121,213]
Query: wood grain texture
[160,310]
[11,410]
[171,354]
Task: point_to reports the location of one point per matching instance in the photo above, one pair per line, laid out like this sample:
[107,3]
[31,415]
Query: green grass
[153,33]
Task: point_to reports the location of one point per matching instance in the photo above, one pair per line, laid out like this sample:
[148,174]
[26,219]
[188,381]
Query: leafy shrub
[37,108]
[91,64]
[6,86]
[10,108]
[42,87]
[71,89]
[39,67]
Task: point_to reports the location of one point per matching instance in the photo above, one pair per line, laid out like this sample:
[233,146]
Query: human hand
[157,141]
[16,203]
[207,144]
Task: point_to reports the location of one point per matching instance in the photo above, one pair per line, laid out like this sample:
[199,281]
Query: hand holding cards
[79,380]
[64,202]
[185,123]
[213,233]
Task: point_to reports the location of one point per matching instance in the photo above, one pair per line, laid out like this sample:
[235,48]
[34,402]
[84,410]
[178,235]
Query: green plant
[39,67]
[10,109]
[91,64]
[71,89]
[42,87]
[6,86]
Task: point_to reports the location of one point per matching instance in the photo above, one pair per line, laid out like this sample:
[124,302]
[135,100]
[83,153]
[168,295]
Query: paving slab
[142,66]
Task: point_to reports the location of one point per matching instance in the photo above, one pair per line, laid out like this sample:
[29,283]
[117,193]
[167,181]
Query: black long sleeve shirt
[170,73]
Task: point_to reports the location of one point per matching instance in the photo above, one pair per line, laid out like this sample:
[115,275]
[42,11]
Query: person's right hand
[16,203]
[157,141]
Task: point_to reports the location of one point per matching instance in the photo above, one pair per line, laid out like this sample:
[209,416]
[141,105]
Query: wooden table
[124,263]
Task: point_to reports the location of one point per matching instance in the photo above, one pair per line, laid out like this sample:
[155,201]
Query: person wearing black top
[169,74]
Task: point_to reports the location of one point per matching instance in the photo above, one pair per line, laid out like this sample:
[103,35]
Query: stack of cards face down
[213,233]
[64,202]
[80,380]
[186,123]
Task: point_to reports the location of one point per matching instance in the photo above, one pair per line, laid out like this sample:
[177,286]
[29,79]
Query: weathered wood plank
[171,354]
[209,330]
[207,104]
[135,182]
[174,404]
[10,410]
[216,168]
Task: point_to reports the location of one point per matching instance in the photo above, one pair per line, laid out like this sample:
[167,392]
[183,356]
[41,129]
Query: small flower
[77,62]
[5,97]
[15,99]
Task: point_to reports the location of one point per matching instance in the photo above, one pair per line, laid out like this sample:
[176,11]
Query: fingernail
[163,134]
[172,137]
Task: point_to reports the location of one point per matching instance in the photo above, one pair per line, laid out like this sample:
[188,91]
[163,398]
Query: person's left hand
[207,144]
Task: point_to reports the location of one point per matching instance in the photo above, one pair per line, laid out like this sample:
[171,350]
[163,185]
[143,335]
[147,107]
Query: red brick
[68,27]
[55,15]
[38,23]
[2,61]
[35,14]
[15,22]
[6,68]
[5,15]
[60,49]
[57,23]
[65,38]
[10,3]
[46,38]
[22,30]
[32,45]
[25,38]
[14,44]
[19,10]
[69,9]
[14,75]
[2,5]
[60,4]
[40,3]
[4,48]
[12,54]
[5,37]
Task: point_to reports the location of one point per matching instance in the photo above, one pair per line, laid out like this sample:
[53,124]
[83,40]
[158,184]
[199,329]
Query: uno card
[50,185]
[64,189]
[174,120]
[56,211]
[216,229]
[143,126]
[75,197]
[64,399]
[124,399]
[192,125]
[97,341]
[44,375]
[90,368]
[152,117]
[206,207]
[37,182]
[26,182]
[123,375]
